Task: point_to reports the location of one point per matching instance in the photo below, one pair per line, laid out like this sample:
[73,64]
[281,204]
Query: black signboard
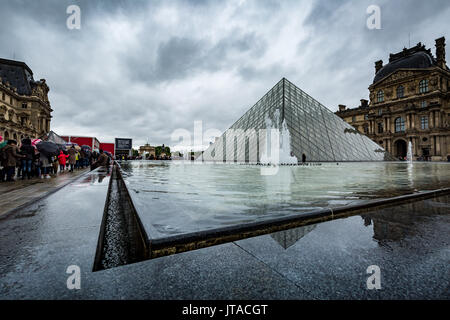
[124,144]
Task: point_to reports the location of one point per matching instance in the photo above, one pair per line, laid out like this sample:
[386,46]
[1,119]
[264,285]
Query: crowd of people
[24,161]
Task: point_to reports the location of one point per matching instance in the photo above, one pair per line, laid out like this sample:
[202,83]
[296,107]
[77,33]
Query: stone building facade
[147,149]
[24,107]
[409,102]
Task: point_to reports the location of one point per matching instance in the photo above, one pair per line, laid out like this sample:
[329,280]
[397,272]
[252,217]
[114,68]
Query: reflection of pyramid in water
[289,237]
[314,131]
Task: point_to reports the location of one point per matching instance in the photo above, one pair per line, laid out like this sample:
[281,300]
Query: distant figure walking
[102,160]
[303,158]
[72,158]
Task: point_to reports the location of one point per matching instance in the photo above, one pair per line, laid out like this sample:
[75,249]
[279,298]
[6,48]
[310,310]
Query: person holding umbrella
[10,159]
[45,166]
[2,160]
[28,151]
[47,150]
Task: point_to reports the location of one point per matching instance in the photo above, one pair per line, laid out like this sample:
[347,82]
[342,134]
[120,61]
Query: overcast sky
[142,69]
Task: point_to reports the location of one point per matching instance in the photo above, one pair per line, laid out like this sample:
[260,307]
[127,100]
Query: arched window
[424,123]
[380,96]
[380,127]
[423,86]
[366,128]
[399,124]
[400,92]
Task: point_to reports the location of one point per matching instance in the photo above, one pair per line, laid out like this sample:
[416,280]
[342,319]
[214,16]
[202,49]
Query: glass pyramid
[314,132]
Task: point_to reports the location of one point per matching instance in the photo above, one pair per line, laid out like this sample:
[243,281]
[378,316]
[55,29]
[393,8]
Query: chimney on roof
[440,52]
[378,65]
[342,107]
[364,103]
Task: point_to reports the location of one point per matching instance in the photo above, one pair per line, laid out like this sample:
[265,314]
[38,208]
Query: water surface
[176,197]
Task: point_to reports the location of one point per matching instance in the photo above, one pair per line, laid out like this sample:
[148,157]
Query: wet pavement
[23,192]
[410,243]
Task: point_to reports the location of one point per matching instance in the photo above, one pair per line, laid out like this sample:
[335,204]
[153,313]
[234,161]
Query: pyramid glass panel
[313,132]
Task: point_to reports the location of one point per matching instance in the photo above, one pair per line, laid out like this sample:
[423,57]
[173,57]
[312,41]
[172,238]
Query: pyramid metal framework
[314,130]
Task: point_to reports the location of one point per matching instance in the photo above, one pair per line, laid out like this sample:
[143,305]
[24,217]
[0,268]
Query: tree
[161,149]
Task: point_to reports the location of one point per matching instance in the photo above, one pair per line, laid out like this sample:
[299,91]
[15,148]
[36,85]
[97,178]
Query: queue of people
[25,162]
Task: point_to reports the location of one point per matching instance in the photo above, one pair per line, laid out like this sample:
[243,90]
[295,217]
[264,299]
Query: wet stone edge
[122,239]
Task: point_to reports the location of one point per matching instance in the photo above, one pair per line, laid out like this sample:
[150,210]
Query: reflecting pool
[176,197]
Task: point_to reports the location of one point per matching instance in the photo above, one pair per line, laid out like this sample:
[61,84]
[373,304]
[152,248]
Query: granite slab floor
[22,192]
[410,244]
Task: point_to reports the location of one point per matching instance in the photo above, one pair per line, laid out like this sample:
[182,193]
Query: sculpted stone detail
[16,119]
[417,109]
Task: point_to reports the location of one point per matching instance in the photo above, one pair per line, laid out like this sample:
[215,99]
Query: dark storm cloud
[143,69]
[180,57]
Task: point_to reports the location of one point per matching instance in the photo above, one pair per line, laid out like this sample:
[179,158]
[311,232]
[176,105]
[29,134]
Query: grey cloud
[146,77]
[177,57]
[180,57]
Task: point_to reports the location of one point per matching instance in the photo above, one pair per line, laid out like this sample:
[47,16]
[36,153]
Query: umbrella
[71,144]
[2,143]
[48,148]
[34,142]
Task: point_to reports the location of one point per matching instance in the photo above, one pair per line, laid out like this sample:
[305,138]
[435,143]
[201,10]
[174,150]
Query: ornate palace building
[24,107]
[409,102]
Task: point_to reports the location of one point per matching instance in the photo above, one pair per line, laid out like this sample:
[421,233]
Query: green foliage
[161,149]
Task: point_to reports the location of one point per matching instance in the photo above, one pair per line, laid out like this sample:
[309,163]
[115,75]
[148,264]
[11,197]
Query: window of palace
[380,112]
[366,117]
[380,96]
[423,104]
[24,105]
[424,123]
[354,119]
[399,125]
[400,92]
[423,86]
[380,127]
[10,100]
[366,128]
